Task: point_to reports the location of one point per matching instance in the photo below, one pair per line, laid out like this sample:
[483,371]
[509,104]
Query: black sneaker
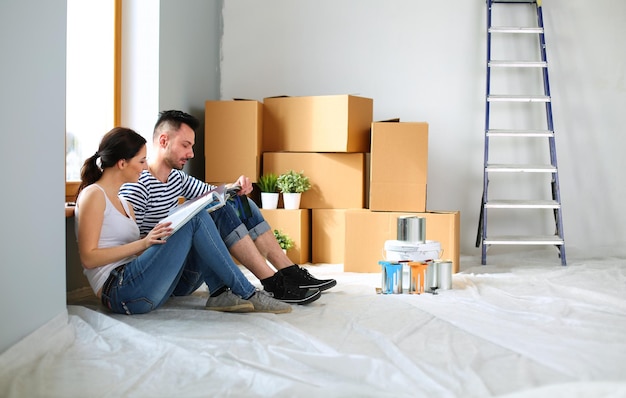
[282,289]
[305,280]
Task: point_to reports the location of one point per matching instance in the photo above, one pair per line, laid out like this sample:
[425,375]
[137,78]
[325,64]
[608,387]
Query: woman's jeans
[192,255]
[233,224]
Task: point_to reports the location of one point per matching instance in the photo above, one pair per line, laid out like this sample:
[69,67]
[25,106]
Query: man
[248,237]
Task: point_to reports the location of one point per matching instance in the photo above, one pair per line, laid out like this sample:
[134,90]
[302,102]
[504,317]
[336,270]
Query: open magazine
[210,201]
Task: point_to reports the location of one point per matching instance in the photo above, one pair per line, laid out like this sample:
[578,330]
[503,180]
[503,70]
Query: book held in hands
[209,201]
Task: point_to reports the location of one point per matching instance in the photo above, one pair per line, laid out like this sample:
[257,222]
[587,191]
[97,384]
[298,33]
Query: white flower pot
[269,200]
[291,200]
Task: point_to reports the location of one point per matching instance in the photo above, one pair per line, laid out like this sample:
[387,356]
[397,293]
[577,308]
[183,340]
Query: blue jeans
[192,255]
[234,226]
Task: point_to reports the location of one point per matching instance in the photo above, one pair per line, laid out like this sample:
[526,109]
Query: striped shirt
[152,199]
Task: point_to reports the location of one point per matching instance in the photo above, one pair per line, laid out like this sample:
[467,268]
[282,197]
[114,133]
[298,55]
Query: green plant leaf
[293,182]
[268,182]
[284,241]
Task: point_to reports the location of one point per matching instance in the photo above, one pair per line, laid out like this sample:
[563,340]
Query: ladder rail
[556,191]
[482,226]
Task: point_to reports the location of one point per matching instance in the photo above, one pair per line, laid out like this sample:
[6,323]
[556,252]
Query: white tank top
[117,229]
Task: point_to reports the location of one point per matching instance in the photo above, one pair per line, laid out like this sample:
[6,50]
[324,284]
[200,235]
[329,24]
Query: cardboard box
[296,224]
[337,179]
[398,166]
[367,231]
[233,132]
[330,123]
[328,232]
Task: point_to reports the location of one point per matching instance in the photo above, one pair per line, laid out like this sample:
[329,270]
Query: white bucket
[400,250]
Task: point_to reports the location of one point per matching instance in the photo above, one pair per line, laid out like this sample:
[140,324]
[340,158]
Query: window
[92,96]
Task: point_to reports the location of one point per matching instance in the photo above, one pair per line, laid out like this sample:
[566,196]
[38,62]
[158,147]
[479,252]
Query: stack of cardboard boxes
[351,163]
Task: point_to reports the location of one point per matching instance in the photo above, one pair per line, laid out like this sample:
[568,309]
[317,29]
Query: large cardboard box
[328,232]
[328,123]
[337,179]
[232,140]
[367,231]
[398,166]
[296,224]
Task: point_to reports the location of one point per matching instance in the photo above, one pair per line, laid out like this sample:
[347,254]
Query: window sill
[71,188]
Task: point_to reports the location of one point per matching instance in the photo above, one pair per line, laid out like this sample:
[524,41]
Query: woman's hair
[119,143]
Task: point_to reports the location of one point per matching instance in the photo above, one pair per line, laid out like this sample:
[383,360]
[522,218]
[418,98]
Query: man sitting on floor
[248,237]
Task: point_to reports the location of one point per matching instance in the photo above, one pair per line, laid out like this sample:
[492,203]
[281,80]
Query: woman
[133,275]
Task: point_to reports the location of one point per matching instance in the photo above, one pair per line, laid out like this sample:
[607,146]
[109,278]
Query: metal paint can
[417,277]
[411,229]
[431,282]
[444,274]
[391,277]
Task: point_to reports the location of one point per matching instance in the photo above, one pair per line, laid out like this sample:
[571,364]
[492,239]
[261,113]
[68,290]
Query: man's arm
[193,187]
[137,195]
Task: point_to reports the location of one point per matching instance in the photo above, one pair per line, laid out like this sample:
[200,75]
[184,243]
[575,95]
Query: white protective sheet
[523,327]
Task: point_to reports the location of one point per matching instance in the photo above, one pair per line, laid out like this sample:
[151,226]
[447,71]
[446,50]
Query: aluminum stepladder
[520,103]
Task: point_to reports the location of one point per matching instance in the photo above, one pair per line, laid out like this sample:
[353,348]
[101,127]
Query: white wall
[424,61]
[140,66]
[32,110]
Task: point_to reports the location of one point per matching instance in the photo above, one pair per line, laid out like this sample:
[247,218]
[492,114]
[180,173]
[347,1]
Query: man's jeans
[234,226]
[192,255]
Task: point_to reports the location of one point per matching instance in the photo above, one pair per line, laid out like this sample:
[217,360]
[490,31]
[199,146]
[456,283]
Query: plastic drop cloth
[518,328]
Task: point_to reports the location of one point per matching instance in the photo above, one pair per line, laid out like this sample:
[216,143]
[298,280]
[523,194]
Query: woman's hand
[157,234]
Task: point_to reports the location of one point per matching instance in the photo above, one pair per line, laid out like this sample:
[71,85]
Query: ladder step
[521,168]
[524,240]
[522,204]
[518,64]
[518,98]
[520,133]
[514,29]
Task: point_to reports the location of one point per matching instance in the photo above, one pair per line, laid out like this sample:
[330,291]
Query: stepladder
[521,200]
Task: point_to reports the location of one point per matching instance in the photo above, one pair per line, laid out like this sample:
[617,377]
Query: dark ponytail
[119,143]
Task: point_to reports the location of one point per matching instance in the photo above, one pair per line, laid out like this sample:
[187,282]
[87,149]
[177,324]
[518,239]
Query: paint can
[431,281]
[417,277]
[391,277]
[411,229]
[444,274]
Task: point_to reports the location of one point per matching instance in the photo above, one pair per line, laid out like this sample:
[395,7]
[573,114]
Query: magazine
[209,201]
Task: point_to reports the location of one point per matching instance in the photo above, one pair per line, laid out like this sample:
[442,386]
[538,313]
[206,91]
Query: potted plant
[284,241]
[269,190]
[292,184]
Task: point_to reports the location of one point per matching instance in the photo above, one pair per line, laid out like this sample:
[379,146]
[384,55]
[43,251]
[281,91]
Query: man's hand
[245,184]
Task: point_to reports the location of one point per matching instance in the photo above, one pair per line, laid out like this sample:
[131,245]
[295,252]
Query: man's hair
[172,119]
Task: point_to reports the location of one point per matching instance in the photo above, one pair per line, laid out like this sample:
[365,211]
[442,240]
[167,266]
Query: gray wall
[32,110]
[170,60]
[424,61]
[189,62]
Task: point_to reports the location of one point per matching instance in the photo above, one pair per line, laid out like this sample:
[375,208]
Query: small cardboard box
[328,234]
[328,123]
[398,166]
[337,179]
[296,224]
[367,231]
[232,140]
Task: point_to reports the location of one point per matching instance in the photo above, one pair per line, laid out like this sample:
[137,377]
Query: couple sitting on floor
[133,270]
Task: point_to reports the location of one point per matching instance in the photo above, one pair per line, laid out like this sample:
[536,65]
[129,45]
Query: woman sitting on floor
[133,275]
